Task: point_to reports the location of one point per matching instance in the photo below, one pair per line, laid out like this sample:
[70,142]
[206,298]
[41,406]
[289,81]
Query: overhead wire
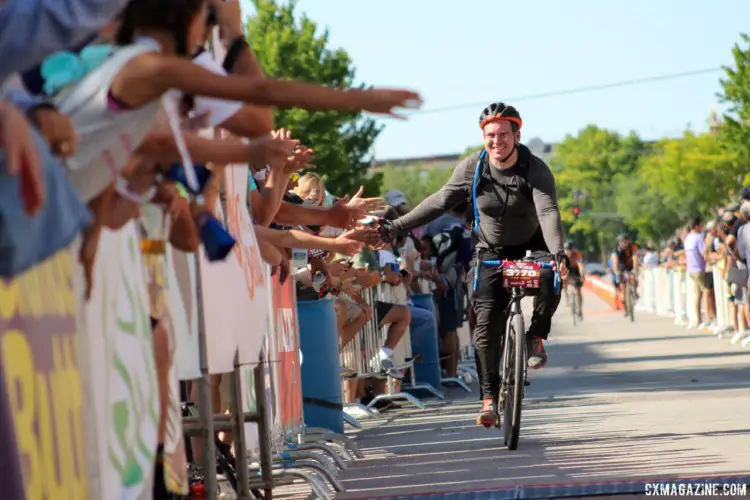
[576,90]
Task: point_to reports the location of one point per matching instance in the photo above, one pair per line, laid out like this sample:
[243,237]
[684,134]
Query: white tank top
[106,137]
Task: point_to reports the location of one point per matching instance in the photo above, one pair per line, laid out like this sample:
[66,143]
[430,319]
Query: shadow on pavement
[617,402]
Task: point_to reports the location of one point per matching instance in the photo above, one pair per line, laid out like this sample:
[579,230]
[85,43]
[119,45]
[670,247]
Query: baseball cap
[745,194]
[394,198]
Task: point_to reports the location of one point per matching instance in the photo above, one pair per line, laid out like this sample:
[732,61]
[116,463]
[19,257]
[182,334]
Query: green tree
[287,48]
[645,209]
[693,174]
[587,167]
[736,93]
[416,182]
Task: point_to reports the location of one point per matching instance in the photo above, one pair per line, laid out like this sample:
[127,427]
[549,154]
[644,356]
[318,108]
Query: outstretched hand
[300,159]
[341,215]
[385,101]
[366,204]
[366,234]
[386,232]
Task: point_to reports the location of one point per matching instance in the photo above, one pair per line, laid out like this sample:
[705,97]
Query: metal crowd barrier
[361,354]
[669,292]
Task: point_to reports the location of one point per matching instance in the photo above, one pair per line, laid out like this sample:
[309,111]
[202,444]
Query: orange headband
[498,118]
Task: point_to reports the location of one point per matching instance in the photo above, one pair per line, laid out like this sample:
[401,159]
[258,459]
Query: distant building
[714,122]
[538,147]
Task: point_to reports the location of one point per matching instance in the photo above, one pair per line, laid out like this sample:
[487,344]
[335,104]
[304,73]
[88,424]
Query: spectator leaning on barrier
[743,251]
[710,246]
[735,276]
[367,271]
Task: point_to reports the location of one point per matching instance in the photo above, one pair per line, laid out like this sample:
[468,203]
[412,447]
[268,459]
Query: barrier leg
[321,470]
[238,434]
[318,434]
[393,396]
[316,484]
[264,433]
[422,386]
[324,447]
[348,419]
[307,459]
[343,452]
[204,396]
[457,381]
[291,456]
[371,412]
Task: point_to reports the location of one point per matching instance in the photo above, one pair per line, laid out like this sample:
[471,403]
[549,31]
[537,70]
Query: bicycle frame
[514,308]
[513,365]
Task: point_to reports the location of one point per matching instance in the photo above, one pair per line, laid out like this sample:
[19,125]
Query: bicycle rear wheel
[516,359]
[629,301]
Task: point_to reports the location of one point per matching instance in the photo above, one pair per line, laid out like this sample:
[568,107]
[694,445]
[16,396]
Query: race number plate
[521,274]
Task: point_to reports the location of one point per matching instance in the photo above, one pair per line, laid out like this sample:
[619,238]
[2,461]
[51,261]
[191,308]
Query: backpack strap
[477,176]
[522,180]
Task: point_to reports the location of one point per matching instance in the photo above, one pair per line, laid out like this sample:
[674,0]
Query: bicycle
[629,292]
[575,306]
[519,276]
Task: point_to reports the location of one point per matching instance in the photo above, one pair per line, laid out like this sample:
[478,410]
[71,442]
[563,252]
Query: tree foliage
[416,182]
[736,93]
[693,173]
[625,185]
[296,49]
[587,168]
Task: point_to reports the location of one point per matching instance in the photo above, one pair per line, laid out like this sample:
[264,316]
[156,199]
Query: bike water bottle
[528,254]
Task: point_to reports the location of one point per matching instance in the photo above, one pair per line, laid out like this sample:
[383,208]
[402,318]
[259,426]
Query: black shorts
[621,275]
[575,279]
[709,280]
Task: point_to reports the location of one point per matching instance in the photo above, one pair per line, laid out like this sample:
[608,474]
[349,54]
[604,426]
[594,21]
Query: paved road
[617,401]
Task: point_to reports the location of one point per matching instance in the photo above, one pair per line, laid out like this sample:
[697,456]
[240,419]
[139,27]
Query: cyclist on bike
[514,206]
[625,260]
[575,259]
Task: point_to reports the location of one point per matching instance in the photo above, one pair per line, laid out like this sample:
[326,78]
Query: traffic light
[576,212]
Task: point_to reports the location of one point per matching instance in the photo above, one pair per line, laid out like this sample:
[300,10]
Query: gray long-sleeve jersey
[508,215]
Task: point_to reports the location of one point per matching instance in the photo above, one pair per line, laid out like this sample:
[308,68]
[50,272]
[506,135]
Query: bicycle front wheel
[517,356]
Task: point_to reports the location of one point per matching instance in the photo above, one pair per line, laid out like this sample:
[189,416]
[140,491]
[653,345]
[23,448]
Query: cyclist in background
[575,276]
[625,259]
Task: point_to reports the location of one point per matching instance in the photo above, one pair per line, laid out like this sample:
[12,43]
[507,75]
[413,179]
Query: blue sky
[477,51]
